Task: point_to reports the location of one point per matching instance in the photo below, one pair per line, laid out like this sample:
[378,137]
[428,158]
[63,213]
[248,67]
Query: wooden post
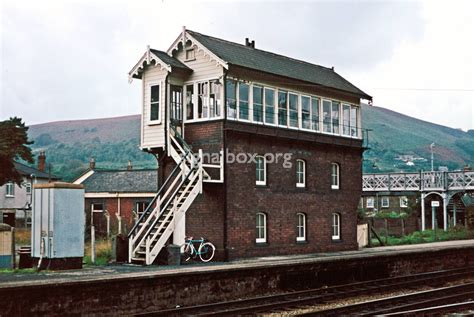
[403,226]
[369,234]
[386,231]
[92,244]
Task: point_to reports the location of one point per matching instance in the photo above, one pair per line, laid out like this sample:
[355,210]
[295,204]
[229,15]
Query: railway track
[305,298]
[434,301]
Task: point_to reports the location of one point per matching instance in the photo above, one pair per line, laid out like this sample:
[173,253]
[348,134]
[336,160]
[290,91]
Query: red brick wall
[281,200]
[111,205]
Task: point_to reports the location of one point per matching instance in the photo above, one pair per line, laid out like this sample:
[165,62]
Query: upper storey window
[155,103]
[272,106]
[231,96]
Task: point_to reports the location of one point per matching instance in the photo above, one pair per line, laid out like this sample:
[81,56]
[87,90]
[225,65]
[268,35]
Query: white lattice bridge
[423,181]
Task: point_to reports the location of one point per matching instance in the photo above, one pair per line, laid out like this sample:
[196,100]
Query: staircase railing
[149,209]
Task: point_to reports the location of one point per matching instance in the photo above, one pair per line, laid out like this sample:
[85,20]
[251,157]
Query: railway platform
[134,289]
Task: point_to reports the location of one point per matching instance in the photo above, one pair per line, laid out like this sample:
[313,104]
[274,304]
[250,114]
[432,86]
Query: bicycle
[205,250]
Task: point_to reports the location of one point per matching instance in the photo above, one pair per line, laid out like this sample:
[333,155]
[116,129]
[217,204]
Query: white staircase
[155,226]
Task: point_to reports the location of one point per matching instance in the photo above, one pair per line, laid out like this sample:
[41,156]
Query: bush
[103,252]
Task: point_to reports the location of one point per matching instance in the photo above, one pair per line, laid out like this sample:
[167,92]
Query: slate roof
[119,181]
[27,171]
[173,62]
[244,56]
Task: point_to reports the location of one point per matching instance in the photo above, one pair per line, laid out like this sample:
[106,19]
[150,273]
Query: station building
[258,152]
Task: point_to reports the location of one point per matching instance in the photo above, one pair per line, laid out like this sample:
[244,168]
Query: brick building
[117,197]
[260,153]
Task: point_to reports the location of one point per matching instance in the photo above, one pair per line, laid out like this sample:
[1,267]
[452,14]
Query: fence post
[92,244]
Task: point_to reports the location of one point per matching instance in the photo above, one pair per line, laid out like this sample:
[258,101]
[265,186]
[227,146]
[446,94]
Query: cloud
[68,61]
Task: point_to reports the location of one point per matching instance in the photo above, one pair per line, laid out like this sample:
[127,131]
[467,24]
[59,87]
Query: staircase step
[138,259]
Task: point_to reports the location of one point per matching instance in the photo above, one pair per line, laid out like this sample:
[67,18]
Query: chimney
[92,163]
[248,43]
[41,161]
[129,166]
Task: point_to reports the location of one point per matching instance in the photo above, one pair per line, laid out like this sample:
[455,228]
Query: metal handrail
[147,210]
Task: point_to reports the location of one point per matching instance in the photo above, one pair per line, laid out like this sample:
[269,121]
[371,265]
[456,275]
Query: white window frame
[298,111]
[160,102]
[370,202]
[264,181]
[98,211]
[301,184]
[301,224]
[10,189]
[261,228]
[249,113]
[403,202]
[223,103]
[337,176]
[28,188]
[141,202]
[253,104]
[336,226]
[275,106]
[385,202]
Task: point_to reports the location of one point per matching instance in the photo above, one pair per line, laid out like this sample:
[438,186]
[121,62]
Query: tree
[13,146]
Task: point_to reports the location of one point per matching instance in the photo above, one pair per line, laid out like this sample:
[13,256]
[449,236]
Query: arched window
[301,227]
[336,226]
[300,173]
[261,170]
[334,176]
[261,227]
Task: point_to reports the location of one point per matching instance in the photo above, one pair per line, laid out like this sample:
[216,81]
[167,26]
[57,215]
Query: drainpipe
[166,112]
[224,158]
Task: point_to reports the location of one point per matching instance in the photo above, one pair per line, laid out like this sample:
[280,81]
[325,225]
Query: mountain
[401,143]
[396,143]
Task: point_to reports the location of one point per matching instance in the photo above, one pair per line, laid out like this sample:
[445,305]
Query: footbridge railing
[422,181]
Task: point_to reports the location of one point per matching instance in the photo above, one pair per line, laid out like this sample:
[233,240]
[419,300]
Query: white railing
[423,181]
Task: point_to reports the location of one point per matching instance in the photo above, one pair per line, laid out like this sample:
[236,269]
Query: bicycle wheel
[206,251]
[187,252]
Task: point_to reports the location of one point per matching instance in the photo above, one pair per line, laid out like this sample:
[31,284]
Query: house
[258,152]
[116,197]
[15,201]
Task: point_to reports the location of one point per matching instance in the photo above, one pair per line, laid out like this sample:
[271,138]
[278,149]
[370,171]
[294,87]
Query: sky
[65,60]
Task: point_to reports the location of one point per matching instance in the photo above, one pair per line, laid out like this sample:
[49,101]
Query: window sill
[261,244]
[336,240]
[335,187]
[302,242]
[262,186]
[9,196]
[154,122]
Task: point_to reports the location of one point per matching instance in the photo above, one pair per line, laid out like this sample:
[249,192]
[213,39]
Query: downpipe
[42,244]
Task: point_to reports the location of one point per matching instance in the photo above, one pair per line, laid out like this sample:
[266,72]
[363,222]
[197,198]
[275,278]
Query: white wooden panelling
[153,135]
[203,66]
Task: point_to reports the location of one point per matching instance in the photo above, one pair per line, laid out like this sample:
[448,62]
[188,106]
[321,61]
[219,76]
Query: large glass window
[305,112]
[189,102]
[327,123]
[10,189]
[385,202]
[155,103]
[269,106]
[335,117]
[203,100]
[346,115]
[334,176]
[315,114]
[354,121]
[257,104]
[261,227]
[282,108]
[261,170]
[243,101]
[301,227]
[215,99]
[300,173]
[231,99]
[336,226]
[293,107]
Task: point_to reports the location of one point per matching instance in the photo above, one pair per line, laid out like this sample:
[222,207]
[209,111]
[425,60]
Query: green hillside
[397,143]
[394,135]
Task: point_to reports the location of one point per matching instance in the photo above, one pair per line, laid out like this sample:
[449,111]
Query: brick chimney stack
[41,161]
[92,163]
[129,166]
